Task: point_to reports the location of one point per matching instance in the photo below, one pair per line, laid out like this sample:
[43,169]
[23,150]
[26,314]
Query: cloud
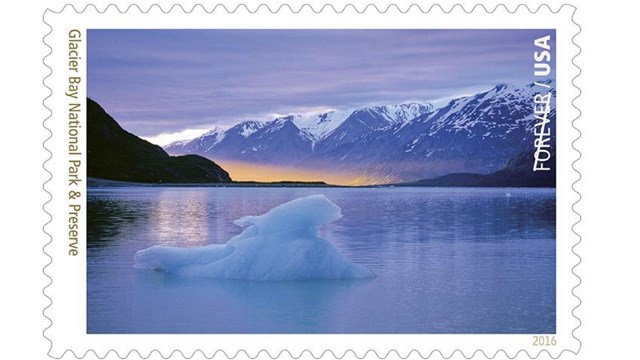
[164,139]
[165,81]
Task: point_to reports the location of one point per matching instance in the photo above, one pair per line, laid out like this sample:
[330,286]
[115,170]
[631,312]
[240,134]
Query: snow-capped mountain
[252,140]
[478,133]
[363,121]
[215,136]
[319,125]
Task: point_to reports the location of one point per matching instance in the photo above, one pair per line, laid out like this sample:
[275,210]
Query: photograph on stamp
[321,181]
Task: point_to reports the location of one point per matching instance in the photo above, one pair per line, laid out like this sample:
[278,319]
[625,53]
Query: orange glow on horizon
[245,171]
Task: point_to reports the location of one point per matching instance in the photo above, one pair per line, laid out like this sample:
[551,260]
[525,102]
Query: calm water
[447,260]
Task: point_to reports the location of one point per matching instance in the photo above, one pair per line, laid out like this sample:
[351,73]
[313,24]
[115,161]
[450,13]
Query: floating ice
[281,244]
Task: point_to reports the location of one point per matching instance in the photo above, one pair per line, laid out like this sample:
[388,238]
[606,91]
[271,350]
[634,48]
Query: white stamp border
[69,338]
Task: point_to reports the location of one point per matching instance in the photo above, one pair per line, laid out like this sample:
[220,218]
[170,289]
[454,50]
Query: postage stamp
[326,181]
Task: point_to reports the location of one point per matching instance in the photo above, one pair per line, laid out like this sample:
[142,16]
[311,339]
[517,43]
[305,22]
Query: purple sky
[184,81]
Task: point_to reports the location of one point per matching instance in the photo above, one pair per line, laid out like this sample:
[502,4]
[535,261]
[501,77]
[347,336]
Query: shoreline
[96,183]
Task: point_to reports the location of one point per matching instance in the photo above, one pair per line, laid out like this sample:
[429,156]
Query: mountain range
[116,154]
[397,143]
[517,172]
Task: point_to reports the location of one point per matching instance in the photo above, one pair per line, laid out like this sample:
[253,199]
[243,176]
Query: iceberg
[282,244]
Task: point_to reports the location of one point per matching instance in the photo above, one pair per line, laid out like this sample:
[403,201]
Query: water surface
[447,260]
